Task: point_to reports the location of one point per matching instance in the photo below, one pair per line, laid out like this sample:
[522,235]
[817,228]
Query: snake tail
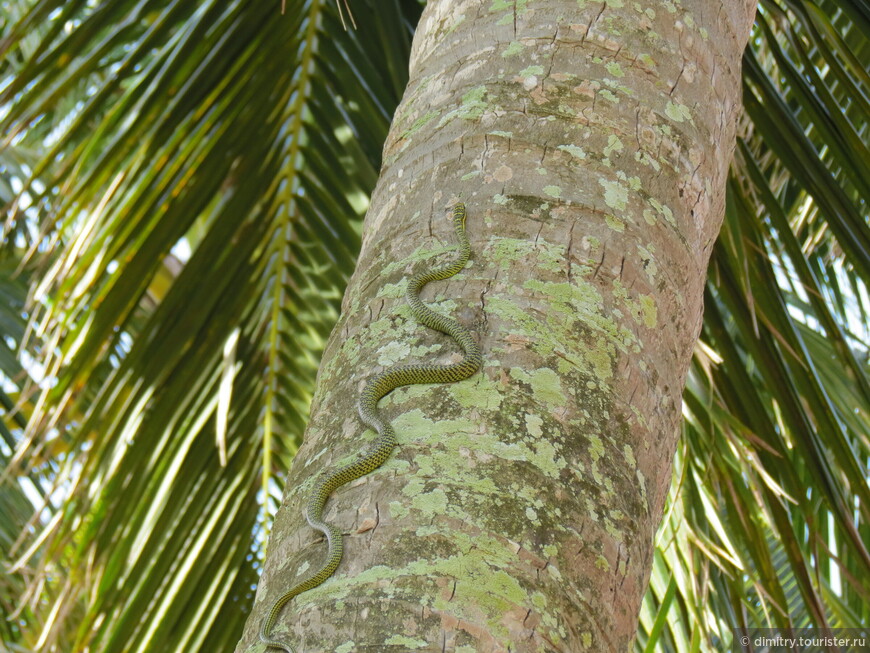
[378,387]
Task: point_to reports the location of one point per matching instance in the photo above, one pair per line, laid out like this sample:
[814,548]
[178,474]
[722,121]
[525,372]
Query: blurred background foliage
[183,188]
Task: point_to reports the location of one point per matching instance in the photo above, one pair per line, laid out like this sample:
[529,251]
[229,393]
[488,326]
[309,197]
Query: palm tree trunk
[591,144]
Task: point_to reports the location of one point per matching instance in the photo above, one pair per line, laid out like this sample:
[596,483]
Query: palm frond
[16,507]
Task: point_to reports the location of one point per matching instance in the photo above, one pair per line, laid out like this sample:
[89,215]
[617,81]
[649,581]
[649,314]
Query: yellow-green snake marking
[375,389]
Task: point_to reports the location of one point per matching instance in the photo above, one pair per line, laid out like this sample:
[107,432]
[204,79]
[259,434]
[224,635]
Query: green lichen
[644,158]
[613,531]
[647,60]
[532,516]
[483,589]
[677,112]
[574,151]
[506,251]
[531,71]
[545,383]
[431,504]
[393,290]
[546,458]
[596,447]
[614,223]
[591,506]
[453,435]
[471,107]
[629,456]
[649,311]
[663,210]
[480,391]
[641,481]
[513,49]
[613,145]
[347,647]
[553,191]
[533,425]
[474,97]
[407,642]
[398,510]
[616,86]
[615,194]
[539,602]
[649,262]
[614,69]
[576,301]
[449,458]
[414,486]
[419,124]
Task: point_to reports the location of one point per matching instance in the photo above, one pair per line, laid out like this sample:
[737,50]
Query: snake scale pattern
[374,390]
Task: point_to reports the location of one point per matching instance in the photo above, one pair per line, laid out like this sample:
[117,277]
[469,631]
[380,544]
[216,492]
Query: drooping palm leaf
[16,507]
[19,504]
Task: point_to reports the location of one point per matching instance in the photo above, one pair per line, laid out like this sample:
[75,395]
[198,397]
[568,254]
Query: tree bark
[590,143]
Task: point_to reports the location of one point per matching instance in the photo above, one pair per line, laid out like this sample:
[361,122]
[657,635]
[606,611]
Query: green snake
[375,389]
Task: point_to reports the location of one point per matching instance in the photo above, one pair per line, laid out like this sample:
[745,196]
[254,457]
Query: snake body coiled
[374,391]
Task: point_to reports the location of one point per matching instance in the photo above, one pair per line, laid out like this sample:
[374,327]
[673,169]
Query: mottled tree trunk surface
[591,144]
